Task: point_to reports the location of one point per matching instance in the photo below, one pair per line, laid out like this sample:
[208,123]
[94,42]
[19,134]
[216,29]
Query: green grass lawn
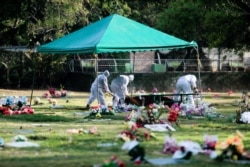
[48,127]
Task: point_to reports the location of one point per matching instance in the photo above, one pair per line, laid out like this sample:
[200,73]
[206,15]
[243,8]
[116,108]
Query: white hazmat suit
[186,84]
[119,87]
[98,88]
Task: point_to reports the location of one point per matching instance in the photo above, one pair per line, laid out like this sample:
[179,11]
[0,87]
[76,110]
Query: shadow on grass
[38,118]
[62,108]
[113,117]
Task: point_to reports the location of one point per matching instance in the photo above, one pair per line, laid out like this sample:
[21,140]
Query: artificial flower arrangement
[154,90]
[131,137]
[187,149]
[154,111]
[209,143]
[199,109]
[54,93]
[245,117]
[14,101]
[100,110]
[132,132]
[231,149]
[170,145]
[180,150]
[191,110]
[14,105]
[112,162]
[143,116]
[229,92]
[24,110]
[243,114]
[151,115]
[129,107]
[174,113]
[132,116]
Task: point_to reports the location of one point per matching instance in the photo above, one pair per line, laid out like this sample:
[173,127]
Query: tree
[147,11]
[34,22]
[27,22]
[221,24]
[228,24]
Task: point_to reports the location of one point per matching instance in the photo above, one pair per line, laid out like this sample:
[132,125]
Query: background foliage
[220,23]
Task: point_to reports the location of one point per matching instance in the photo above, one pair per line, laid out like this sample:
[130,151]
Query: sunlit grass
[48,127]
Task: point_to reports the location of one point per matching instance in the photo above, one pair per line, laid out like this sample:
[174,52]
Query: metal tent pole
[199,66]
[96,56]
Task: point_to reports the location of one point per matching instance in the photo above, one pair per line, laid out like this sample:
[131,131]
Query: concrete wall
[142,61]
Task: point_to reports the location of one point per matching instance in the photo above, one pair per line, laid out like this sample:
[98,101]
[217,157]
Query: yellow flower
[221,145]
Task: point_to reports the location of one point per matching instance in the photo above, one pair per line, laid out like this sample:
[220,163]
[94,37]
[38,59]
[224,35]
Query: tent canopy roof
[114,33]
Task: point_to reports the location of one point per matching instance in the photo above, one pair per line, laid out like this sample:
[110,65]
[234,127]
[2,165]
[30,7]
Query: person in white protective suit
[119,88]
[187,85]
[98,88]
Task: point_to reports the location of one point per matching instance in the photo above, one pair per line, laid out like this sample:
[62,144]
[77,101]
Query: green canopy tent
[114,33]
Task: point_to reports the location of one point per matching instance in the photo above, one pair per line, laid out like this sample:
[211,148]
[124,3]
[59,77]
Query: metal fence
[156,66]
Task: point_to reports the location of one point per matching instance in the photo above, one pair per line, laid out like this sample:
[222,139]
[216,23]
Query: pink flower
[216,95]
[93,130]
[63,93]
[154,90]
[230,92]
[46,95]
[58,94]
[151,105]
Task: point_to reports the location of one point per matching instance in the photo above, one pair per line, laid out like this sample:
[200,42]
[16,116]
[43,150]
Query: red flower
[52,91]
[147,135]
[173,115]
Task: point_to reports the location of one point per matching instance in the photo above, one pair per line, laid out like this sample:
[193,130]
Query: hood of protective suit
[106,73]
[131,77]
